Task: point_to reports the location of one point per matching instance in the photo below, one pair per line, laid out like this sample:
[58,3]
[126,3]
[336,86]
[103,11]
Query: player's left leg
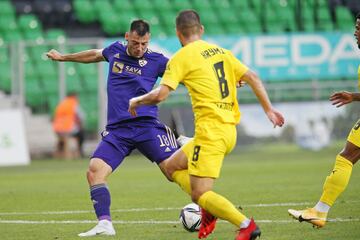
[220,207]
[205,161]
[334,184]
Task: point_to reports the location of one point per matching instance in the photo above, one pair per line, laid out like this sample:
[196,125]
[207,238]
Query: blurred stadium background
[302,49]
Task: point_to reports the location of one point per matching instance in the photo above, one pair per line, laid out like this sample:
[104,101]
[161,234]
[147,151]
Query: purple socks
[100,196]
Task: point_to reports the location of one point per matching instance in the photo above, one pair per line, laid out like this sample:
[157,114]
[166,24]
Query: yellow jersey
[210,74]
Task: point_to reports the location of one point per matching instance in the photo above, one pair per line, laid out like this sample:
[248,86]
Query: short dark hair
[358,16]
[188,22]
[141,27]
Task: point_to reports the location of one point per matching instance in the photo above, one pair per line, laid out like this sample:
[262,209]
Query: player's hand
[54,55]
[276,118]
[341,98]
[240,84]
[133,104]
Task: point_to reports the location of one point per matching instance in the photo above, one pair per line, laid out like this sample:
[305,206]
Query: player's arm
[88,56]
[258,88]
[155,96]
[341,98]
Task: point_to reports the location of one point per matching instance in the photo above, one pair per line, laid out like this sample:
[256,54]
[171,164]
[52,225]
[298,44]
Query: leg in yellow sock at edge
[334,185]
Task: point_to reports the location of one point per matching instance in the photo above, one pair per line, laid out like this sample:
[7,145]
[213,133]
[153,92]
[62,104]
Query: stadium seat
[55,34]
[258,6]
[5,76]
[4,54]
[123,5]
[209,18]
[307,18]
[250,21]
[228,18]
[162,5]
[168,21]
[28,21]
[201,5]
[52,102]
[8,24]
[151,17]
[30,71]
[142,5]
[344,18]
[102,6]
[158,30]
[239,5]
[179,5]
[111,23]
[6,9]
[34,94]
[223,5]
[87,71]
[38,53]
[324,21]
[12,36]
[125,19]
[35,35]
[89,103]
[84,10]
[73,83]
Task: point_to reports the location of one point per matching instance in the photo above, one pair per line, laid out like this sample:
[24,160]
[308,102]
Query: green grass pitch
[50,199]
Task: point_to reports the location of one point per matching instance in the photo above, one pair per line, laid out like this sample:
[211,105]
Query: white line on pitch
[151,221]
[264,205]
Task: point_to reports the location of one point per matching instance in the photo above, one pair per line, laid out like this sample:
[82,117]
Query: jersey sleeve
[239,68]
[109,51]
[162,65]
[174,73]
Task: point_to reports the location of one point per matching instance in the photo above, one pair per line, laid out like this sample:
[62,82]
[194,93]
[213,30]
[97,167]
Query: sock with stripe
[100,196]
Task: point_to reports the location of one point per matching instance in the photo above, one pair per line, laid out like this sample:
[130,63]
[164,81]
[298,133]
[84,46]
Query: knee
[195,195]
[91,176]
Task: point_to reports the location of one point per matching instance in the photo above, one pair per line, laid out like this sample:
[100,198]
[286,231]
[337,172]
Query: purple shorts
[152,138]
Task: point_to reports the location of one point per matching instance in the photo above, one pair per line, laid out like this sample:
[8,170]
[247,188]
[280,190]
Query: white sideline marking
[157,209]
[152,221]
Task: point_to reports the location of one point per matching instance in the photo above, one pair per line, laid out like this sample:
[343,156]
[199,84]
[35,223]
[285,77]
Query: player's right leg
[100,196]
[106,158]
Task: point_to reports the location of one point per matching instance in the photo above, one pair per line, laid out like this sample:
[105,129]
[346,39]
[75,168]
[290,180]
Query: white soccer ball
[190,217]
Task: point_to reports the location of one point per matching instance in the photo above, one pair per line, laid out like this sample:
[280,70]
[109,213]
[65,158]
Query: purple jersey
[130,77]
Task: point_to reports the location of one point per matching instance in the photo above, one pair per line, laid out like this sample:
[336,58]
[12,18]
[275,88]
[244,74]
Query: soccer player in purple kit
[133,71]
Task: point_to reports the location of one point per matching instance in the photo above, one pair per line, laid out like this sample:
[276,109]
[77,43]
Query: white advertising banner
[13,147]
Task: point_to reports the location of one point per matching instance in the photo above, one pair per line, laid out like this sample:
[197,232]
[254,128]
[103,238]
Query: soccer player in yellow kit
[338,179]
[211,74]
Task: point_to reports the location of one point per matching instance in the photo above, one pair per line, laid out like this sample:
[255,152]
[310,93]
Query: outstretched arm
[258,88]
[342,98]
[88,56]
[156,96]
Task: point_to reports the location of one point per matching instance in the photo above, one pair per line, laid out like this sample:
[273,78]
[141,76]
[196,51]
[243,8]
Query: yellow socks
[220,207]
[182,178]
[337,181]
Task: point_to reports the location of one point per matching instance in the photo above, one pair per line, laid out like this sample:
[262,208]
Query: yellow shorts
[354,135]
[206,151]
